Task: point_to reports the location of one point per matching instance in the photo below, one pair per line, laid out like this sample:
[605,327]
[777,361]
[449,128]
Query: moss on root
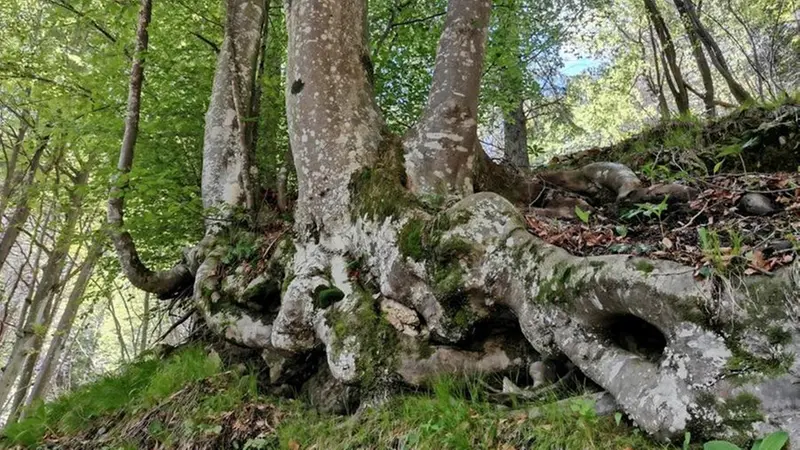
[377,339]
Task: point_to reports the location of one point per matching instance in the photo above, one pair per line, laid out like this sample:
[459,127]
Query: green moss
[379,192]
[560,286]
[377,339]
[424,349]
[778,336]
[644,266]
[287,280]
[326,296]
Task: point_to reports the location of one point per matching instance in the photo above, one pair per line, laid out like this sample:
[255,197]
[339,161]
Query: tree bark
[717,57]
[699,57]
[227,145]
[440,149]
[22,211]
[515,133]
[162,283]
[42,382]
[334,123]
[668,47]
[51,274]
[145,328]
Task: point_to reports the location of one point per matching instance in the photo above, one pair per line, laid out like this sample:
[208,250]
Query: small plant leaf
[720,445]
[687,439]
[774,441]
[583,215]
[618,418]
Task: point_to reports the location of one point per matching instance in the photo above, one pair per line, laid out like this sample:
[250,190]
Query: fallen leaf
[294,445]
[667,243]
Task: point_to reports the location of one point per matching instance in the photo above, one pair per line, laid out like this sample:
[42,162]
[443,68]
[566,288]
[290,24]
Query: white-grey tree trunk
[227,150]
[440,148]
[334,123]
[65,323]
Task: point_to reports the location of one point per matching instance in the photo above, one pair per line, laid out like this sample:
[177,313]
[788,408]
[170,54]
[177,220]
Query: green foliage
[582,215]
[136,387]
[774,441]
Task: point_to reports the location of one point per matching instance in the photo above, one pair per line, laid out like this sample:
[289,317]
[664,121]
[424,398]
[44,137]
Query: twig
[175,325]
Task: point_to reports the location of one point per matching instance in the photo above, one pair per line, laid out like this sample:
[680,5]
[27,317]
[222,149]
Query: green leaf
[617,418]
[720,445]
[774,441]
[687,439]
[583,215]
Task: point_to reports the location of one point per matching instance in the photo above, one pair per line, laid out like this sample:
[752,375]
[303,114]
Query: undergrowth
[191,401]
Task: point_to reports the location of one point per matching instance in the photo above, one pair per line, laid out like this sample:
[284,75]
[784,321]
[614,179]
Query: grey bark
[65,323]
[227,144]
[334,123]
[717,57]
[51,274]
[145,328]
[515,134]
[668,47]
[162,283]
[440,148]
[22,211]
[699,57]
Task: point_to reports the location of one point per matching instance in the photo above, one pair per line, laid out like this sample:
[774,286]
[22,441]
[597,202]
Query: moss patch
[644,266]
[379,192]
[377,339]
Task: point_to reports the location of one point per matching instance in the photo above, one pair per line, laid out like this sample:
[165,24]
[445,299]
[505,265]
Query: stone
[756,205]
[401,317]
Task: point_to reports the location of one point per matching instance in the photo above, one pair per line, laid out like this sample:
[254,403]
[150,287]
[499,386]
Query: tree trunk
[668,47]
[334,123]
[382,286]
[22,211]
[515,133]
[144,333]
[440,149]
[227,150]
[51,274]
[717,57]
[65,323]
[162,283]
[699,57]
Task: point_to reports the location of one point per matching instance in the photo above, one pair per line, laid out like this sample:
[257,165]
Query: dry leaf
[294,445]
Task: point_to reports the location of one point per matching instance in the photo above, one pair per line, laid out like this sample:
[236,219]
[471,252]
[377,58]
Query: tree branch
[161,283]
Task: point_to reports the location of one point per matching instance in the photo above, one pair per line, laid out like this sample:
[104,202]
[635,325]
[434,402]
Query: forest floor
[744,216]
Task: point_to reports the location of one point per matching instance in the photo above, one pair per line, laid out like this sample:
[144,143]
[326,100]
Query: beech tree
[403,249]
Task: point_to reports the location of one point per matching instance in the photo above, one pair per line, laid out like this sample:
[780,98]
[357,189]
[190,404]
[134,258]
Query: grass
[457,415]
[190,399]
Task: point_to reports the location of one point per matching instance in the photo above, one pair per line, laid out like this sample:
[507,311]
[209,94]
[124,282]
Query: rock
[401,317]
[542,372]
[756,205]
[330,395]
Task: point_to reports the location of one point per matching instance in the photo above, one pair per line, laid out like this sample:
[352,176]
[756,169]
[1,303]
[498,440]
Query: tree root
[673,373]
